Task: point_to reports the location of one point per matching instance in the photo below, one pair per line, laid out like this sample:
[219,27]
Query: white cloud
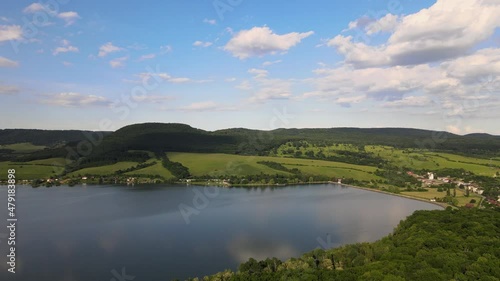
[466,87]
[200,106]
[35,7]
[153,99]
[166,77]
[470,69]
[10,32]
[118,62]
[244,85]
[147,57]
[446,30]
[5,62]
[65,48]
[206,106]
[202,44]
[67,63]
[8,89]
[260,41]
[108,48]
[387,23]
[211,22]
[72,99]
[347,101]
[269,63]
[259,73]
[410,101]
[69,17]
[262,88]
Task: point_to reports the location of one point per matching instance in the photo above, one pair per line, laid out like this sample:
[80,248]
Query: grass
[60,162]
[28,172]
[433,193]
[104,170]
[225,164]
[25,147]
[155,170]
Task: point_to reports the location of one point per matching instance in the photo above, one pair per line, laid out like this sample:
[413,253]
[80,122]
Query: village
[430,180]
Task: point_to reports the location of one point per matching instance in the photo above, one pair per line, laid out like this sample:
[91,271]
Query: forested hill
[42,137]
[183,138]
[429,245]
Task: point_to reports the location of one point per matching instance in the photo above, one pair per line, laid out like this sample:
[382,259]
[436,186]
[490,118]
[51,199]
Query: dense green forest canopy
[183,138]
[429,245]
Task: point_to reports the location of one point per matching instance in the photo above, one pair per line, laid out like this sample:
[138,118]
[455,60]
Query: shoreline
[442,205]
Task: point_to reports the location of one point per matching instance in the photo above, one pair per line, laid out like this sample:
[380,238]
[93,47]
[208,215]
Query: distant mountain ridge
[184,138]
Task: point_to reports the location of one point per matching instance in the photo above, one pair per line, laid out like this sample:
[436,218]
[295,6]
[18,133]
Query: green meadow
[224,164]
[25,147]
[104,170]
[156,170]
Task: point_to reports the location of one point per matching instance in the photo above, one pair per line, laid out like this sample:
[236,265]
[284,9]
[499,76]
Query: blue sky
[256,64]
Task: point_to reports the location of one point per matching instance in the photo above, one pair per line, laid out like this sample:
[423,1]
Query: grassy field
[104,170]
[28,172]
[224,164]
[433,193]
[22,147]
[155,170]
[60,162]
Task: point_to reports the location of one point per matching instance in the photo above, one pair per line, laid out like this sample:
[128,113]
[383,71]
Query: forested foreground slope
[428,246]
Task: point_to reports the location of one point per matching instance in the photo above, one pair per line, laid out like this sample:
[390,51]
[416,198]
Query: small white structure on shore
[431,176]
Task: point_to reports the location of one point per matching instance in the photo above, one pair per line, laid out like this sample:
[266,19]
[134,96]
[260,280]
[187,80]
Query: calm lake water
[93,233]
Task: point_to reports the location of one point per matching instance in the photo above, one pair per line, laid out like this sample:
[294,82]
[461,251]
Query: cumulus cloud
[72,99]
[10,32]
[34,7]
[263,88]
[260,41]
[118,62]
[468,86]
[69,17]
[446,30]
[202,44]
[387,23]
[65,48]
[5,62]
[469,69]
[108,48]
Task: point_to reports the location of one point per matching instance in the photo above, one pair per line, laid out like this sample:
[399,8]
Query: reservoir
[164,232]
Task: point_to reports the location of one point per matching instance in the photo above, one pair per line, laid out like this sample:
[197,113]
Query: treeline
[397,176]
[177,169]
[429,245]
[109,158]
